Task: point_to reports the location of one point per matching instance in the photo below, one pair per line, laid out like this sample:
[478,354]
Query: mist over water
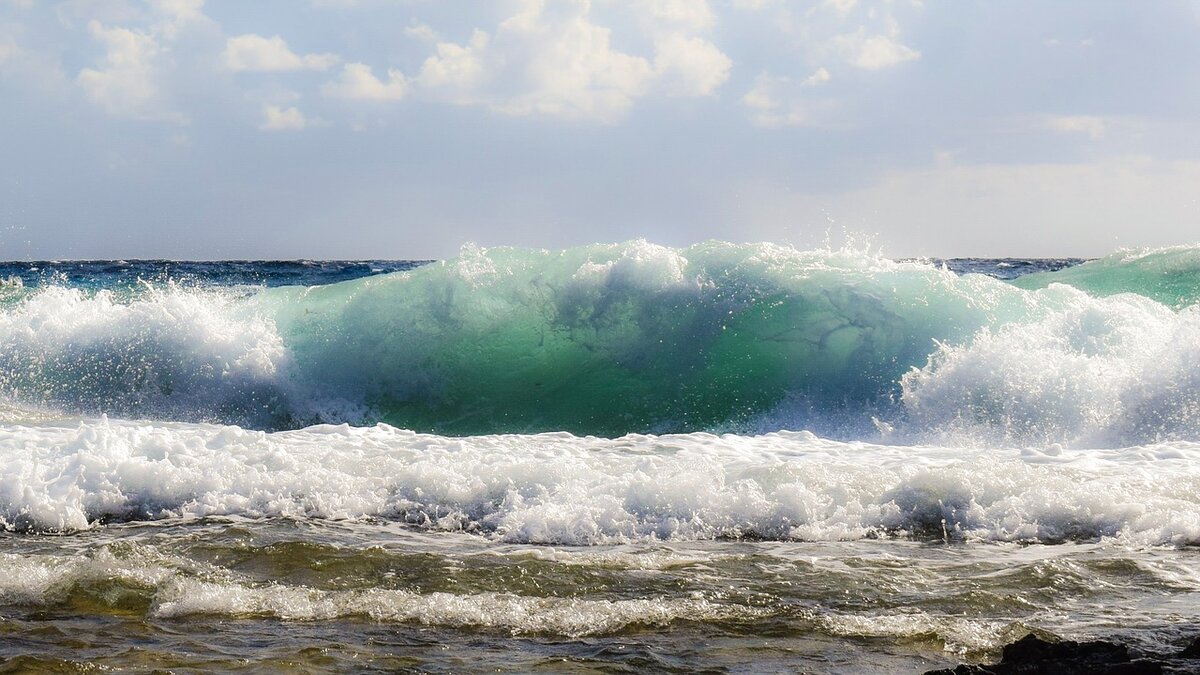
[567,454]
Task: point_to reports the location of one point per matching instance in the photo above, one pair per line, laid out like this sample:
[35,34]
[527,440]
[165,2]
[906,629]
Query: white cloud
[357,82]
[569,64]
[421,31]
[258,53]
[873,52]
[690,66]
[276,118]
[133,78]
[554,63]
[552,59]
[842,7]
[755,5]
[1093,127]
[176,14]
[863,34]
[456,68]
[691,15]
[780,102]
[188,10]
[125,85]
[685,64]
[819,76]
[762,95]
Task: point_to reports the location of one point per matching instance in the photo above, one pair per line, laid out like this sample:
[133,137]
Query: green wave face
[609,339]
[1170,276]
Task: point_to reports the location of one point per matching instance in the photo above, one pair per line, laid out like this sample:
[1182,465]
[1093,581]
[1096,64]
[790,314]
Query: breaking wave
[562,489]
[620,338]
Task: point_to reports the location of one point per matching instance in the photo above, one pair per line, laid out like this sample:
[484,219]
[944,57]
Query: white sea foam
[561,489]
[168,351]
[40,580]
[958,635]
[178,587]
[1109,372]
[517,614]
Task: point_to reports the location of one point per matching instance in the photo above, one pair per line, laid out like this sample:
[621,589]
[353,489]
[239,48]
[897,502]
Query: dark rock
[1192,651]
[1031,655]
[1032,649]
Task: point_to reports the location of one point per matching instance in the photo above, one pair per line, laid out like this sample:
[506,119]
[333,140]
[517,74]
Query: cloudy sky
[405,128]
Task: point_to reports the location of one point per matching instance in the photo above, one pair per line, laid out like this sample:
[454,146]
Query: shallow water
[327,596]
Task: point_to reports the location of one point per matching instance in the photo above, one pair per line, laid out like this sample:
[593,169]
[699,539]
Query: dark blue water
[1006,268]
[96,274]
[128,273]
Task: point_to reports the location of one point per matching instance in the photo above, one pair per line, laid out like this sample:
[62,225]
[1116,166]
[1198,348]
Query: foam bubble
[562,489]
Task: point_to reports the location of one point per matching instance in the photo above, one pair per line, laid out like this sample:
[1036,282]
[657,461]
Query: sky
[202,129]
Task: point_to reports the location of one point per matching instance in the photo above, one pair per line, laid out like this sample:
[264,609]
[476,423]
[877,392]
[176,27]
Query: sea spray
[165,352]
[1098,372]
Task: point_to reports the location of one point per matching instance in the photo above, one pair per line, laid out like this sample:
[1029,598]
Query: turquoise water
[606,339]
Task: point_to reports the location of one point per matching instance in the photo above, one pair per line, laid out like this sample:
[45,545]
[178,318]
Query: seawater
[614,457]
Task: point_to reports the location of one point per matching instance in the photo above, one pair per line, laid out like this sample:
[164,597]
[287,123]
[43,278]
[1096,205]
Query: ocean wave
[1111,371]
[604,339]
[618,338]
[170,587]
[168,352]
[562,489]
[1168,275]
[518,615]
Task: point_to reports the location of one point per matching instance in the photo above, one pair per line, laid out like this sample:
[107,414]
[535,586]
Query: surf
[610,339]
[557,488]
